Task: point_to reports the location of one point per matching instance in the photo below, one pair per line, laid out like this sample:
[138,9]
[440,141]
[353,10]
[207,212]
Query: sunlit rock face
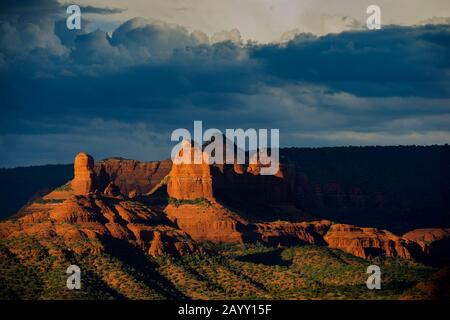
[131,176]
[84,181]
[190,180]
[435,243]
[370,242]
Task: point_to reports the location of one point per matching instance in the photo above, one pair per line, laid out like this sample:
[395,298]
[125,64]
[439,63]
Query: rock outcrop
[131,176]
[79,210]
[292,233]
[112,190]
[240,186]
[207,221]
[93,206]
[427,235]
[373,186]
[435,243]
[370,242]
[84,181]
[190,180]
[100,220]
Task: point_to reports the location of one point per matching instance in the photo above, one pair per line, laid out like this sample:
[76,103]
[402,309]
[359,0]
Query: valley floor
[229,271]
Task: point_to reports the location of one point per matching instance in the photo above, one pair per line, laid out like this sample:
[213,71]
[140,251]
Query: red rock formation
[112,190]
[99,219]
[264,197]
[292,233]
[243,187]
[162,244]
[157,247]
[113,177]
[189,180]
[435,243]
[84,176]
[133,194]
[131,175]
[209,222]
[76,209]
[427,235]
[369,242]
[78,213]
[256,164]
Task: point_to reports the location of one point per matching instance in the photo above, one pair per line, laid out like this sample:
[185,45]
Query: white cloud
[435,20]
[149,38]
[266,20]
[289,35]
[234,36]
[337,24]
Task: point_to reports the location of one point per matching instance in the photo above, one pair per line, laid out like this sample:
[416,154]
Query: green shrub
[46,201]
[66,187]
[198,201]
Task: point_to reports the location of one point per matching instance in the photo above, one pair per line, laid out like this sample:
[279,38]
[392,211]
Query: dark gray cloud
[392,61]
[97,10]
[36,9]
[29,8]
[123,93]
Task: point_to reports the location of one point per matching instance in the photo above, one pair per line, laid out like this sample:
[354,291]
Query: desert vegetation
[225,271]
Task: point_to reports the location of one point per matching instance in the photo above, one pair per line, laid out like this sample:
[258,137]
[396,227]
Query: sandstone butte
[189,181]
[84,176]
[113,201]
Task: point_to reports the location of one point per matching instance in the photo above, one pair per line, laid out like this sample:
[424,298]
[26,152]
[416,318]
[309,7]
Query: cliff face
[227,184]
[435,243]
[261,192]
[237,186]
[397,188]
[97,206]
[205,194]
[212,221]
[92,223]
[370,242]
[85,180]
[293,233]
[82,209]
[189,180]
[332,183]
[208,222]
[132,176]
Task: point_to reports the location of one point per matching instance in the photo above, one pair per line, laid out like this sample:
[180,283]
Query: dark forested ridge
[398,188]
[19,185]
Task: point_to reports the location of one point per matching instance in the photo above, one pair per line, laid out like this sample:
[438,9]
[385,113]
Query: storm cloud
[122,93]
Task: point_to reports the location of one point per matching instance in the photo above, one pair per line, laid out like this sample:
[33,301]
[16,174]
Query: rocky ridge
[108,201]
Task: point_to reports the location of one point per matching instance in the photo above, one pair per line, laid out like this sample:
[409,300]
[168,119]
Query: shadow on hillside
[145,270]
[158,197]
[270,258]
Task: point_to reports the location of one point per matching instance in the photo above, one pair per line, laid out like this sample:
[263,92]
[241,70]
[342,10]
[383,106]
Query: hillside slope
[192,246]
